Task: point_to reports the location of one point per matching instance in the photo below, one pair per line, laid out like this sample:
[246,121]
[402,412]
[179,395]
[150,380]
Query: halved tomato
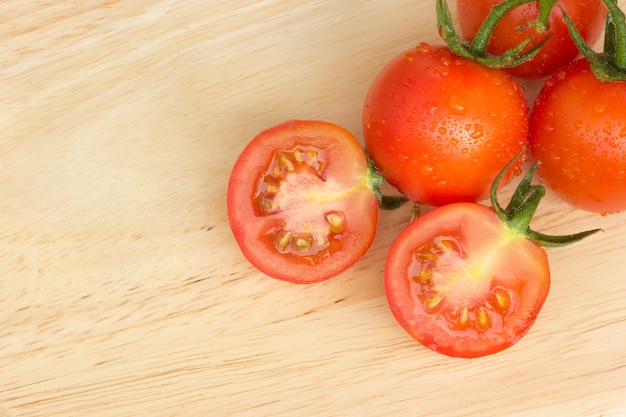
[468,280]
[463,284]
[301,203]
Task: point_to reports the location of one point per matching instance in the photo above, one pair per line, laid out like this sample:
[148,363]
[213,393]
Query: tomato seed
[483,319]
[423,277]
[267,205]
[302,242]
[285,162]
[336,222]
[501,300]
[464,320]
[431,302]
[282,239]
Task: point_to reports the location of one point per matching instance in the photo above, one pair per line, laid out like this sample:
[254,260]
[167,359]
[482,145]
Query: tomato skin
[578,133]
[299,201]
[482,260]
[587,15]
[440,127]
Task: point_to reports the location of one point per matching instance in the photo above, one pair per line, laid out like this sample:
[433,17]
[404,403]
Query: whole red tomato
[587,15]
[300,201]
[440,127]
[578,132]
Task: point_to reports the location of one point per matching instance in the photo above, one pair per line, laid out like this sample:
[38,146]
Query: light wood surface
[123,292]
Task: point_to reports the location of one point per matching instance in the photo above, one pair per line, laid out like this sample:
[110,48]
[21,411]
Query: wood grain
[123,292]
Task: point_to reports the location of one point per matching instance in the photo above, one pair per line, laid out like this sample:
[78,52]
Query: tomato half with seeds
[468,280]
[463,284]
[300,201]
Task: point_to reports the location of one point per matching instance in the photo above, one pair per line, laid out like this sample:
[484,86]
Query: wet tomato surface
[440,127]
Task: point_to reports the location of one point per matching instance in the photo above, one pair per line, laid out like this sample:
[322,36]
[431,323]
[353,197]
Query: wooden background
[123,292]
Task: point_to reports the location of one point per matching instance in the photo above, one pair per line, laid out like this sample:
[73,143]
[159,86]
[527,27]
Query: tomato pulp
[460,282]
[440,127]
[299,201]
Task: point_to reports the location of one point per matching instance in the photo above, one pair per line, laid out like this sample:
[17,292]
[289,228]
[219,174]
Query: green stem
[481,40]
[376,179]
[615,34]
[477,50]
[523,205]
[611,65]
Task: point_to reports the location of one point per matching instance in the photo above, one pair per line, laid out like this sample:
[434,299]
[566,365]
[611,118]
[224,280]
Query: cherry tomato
[299,201]
[578,132]
[440,127]
[587,15]
[462,283]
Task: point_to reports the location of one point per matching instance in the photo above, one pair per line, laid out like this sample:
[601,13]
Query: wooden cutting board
[123,292]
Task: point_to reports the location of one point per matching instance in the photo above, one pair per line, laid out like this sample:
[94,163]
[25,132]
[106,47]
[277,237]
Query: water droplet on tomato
[422,47]
[442,130]
[431,107]
[575,84]
[409,56]
[426,170]
[474,130]
[443,71]
[560,75]
[456,105]
[599,108]
[453,141]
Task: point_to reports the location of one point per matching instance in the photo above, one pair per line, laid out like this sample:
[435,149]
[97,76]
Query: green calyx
[521,208]
[376,180]
[476,50]
[611,64]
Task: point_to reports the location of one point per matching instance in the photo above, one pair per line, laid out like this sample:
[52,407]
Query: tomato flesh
[578,133]
[299,201]
[440,127]
[463,284]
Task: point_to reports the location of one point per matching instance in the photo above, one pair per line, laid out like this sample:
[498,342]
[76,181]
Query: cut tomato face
[463,284]
[300,202]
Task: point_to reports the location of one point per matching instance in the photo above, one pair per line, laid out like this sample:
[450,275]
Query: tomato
[578,132]
[440,127]
[467,280]
[300,204]
[587,15]
[451,283]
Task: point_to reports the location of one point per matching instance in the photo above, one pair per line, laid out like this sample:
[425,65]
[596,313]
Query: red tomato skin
[587,15]
[578,133]
[493,257]
[342,186]
[440,127]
